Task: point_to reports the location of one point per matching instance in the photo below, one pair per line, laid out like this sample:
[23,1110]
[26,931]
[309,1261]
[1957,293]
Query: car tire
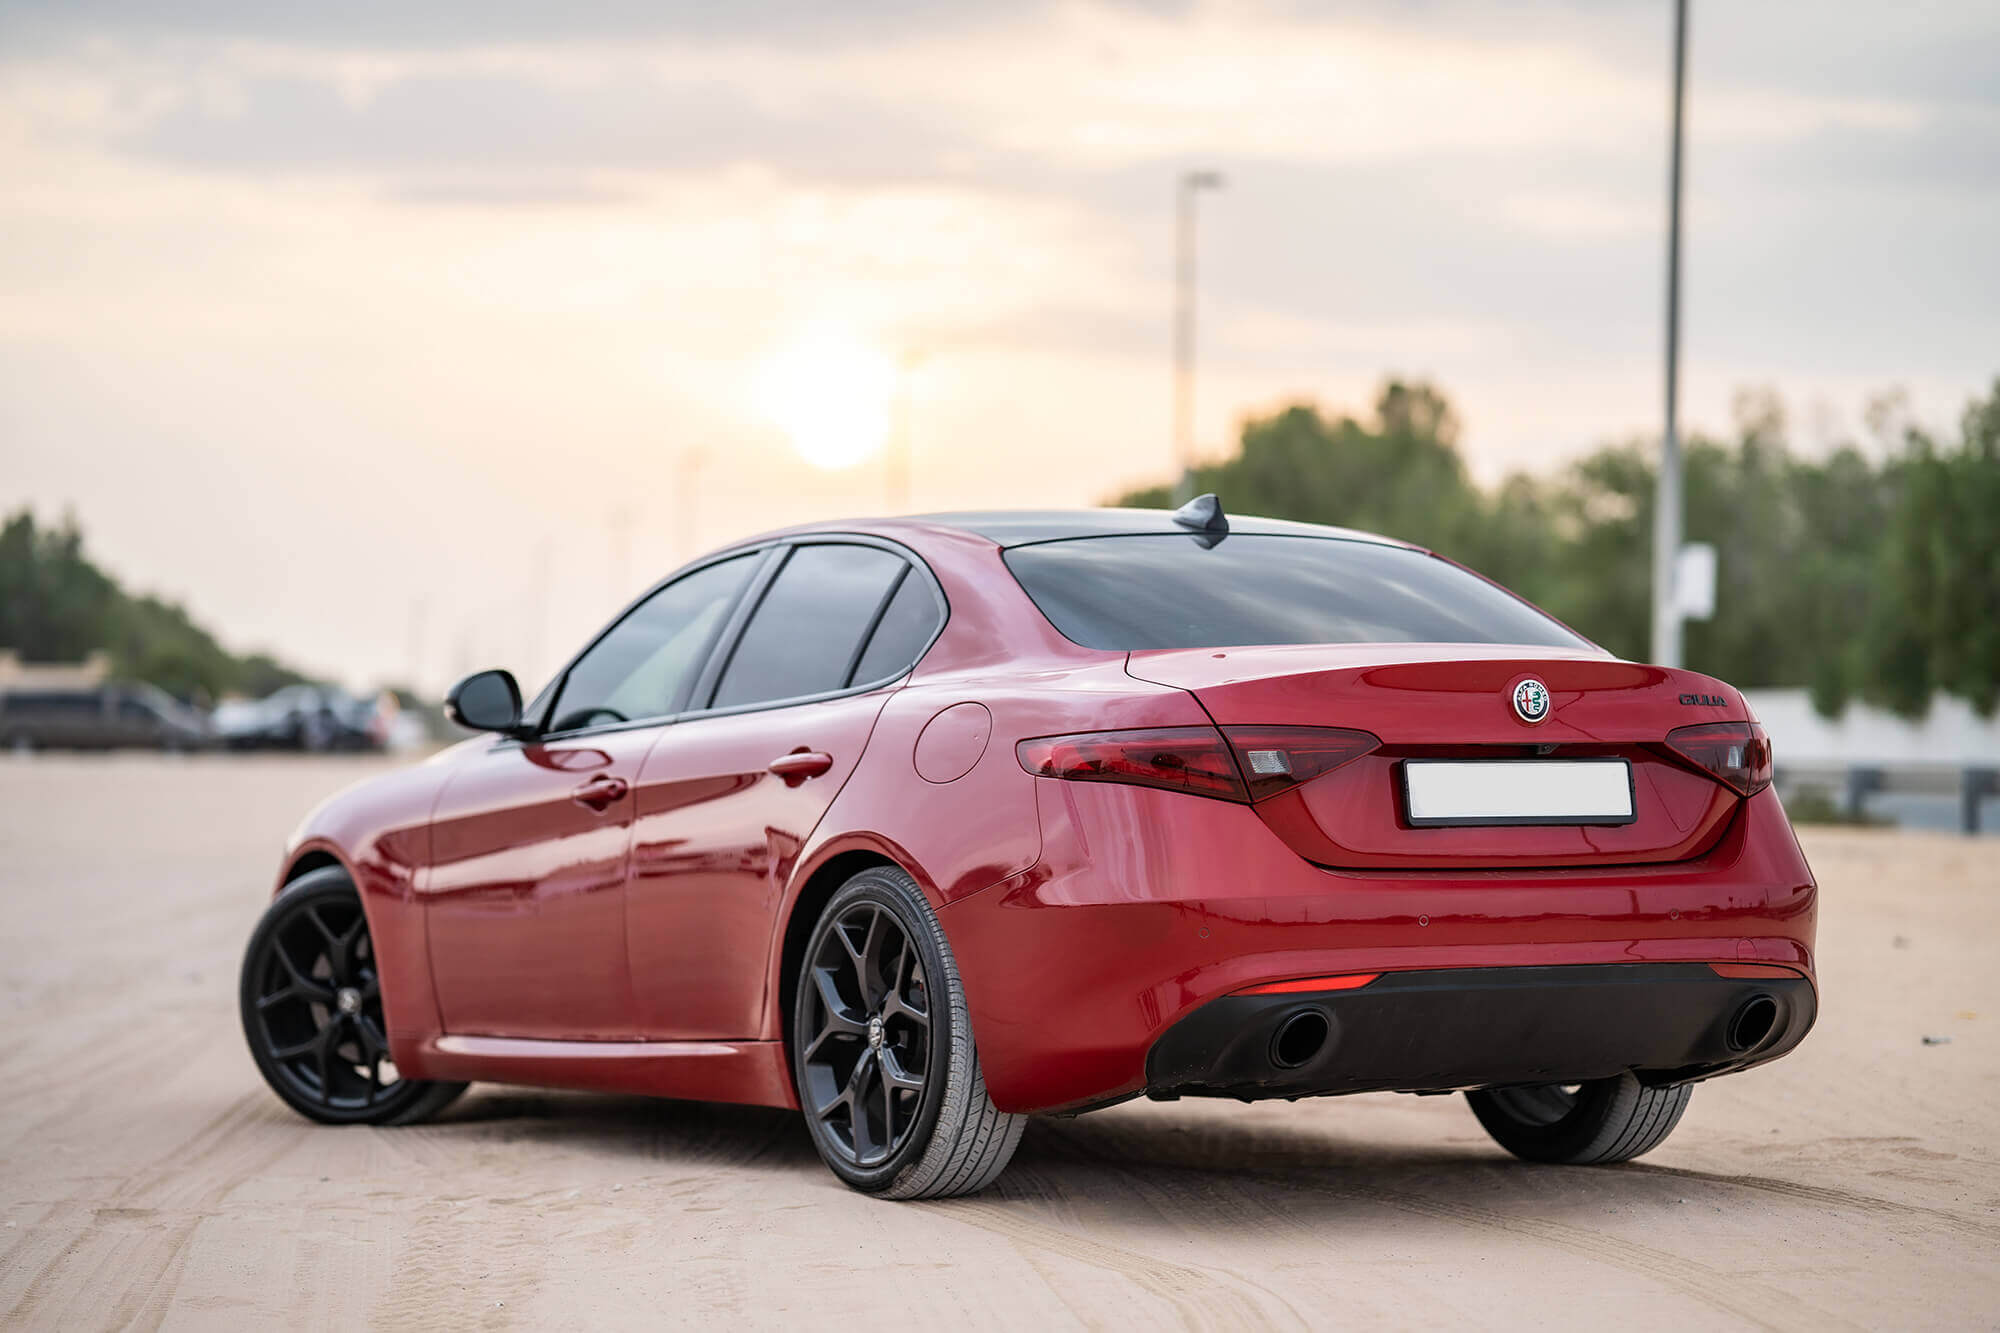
[1588,1124]
[880,1024]
[311,1006]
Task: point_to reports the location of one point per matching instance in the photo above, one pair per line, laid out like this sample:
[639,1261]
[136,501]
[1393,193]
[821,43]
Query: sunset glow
[540,258]
[830,391]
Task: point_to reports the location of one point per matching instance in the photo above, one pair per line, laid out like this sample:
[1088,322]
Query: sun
[830,390]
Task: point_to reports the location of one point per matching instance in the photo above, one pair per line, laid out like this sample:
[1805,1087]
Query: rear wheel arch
[916,1040]
[803,914]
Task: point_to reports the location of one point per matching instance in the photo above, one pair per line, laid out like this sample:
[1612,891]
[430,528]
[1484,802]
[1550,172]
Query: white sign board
[1694,581]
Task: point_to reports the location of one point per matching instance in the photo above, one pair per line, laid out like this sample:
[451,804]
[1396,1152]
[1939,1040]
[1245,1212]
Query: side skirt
[749,1072]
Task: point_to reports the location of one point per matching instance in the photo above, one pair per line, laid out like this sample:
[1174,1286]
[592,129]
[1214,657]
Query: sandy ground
[147,1178]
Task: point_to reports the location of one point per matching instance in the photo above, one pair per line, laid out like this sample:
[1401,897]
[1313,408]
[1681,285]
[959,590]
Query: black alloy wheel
[868,1059]
[882,1050]
[312,1010]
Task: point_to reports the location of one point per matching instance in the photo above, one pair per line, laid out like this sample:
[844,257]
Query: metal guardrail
[1854,784]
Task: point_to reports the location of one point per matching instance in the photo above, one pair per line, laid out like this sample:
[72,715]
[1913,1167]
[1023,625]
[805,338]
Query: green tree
[1936,621]
[1402,476]
[1834,573]
[1602,582]
[1968,628]
[53,602]
[57,606]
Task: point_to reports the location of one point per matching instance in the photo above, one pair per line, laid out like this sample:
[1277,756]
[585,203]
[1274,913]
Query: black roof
[1020,527]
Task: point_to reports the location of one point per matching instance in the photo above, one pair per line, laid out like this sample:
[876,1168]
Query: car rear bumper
[1435,1031]
[1146,906]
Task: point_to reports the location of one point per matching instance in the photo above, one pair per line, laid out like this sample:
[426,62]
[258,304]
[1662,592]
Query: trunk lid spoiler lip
[1200,668]
[1428,689]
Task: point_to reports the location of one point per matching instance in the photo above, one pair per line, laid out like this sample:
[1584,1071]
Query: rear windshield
[1133,593]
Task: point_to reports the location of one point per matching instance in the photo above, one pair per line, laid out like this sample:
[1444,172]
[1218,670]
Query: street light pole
[1190,182]
[1667,498]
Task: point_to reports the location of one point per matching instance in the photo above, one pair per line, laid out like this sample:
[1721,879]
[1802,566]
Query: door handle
[600,794]
[799,765]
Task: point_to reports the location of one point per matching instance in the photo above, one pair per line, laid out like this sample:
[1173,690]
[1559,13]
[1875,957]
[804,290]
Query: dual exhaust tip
[1300,1038]
[1754,1021]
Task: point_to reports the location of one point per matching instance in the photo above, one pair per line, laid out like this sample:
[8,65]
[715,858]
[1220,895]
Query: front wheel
[312,1011]
[1581,1124]
[882,1050]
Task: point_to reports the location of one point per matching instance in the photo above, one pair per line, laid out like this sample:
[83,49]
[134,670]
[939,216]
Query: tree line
[56,605]
[1871,574]
[1863,573]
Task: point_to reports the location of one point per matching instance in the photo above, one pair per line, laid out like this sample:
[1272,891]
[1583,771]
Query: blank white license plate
[1517,791]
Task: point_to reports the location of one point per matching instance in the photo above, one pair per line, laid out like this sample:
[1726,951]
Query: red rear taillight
[1234,764]
[1189,759]
[1277,759]
[1737,754]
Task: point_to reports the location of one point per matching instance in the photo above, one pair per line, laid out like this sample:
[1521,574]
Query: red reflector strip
[1352,981]
[1745,971]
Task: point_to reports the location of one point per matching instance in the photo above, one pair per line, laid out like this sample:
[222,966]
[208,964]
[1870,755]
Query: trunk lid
[1456,701]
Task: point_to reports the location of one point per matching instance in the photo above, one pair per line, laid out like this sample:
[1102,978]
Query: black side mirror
[486,701]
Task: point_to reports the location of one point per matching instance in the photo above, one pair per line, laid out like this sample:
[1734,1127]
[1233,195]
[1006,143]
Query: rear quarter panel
[974,831]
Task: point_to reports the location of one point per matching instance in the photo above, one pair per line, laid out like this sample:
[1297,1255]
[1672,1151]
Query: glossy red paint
[533,924]
[380,832]
[1146,904]
[530,849]
[718,838]
[1460,706]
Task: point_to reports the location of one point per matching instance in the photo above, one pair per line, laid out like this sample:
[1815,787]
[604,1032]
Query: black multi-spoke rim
[868,1051]
[318,1007]
[1542,1105]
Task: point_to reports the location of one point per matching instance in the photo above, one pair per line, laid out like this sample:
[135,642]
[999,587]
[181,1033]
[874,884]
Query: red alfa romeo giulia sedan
[924,825]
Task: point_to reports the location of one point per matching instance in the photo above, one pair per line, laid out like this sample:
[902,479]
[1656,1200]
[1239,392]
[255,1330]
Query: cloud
[441,24]
[1083,87]
[492,267]
[454,123]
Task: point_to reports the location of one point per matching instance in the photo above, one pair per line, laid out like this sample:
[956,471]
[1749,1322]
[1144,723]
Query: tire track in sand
[185,1186]
[1201,1297]
[1742,1298]
[1727,1293]
[1825,1197]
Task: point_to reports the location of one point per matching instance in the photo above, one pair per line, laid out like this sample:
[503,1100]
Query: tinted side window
[1132,593]
[639,667]
[907,628]
[807,630]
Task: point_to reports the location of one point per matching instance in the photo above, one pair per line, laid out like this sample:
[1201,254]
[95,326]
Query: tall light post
[1667,497]
[1190,183]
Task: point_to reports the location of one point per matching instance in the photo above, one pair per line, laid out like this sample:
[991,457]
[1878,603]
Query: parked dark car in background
[304,717]
[99,717]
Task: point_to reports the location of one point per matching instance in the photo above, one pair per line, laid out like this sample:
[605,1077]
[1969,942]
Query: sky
[405,340]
